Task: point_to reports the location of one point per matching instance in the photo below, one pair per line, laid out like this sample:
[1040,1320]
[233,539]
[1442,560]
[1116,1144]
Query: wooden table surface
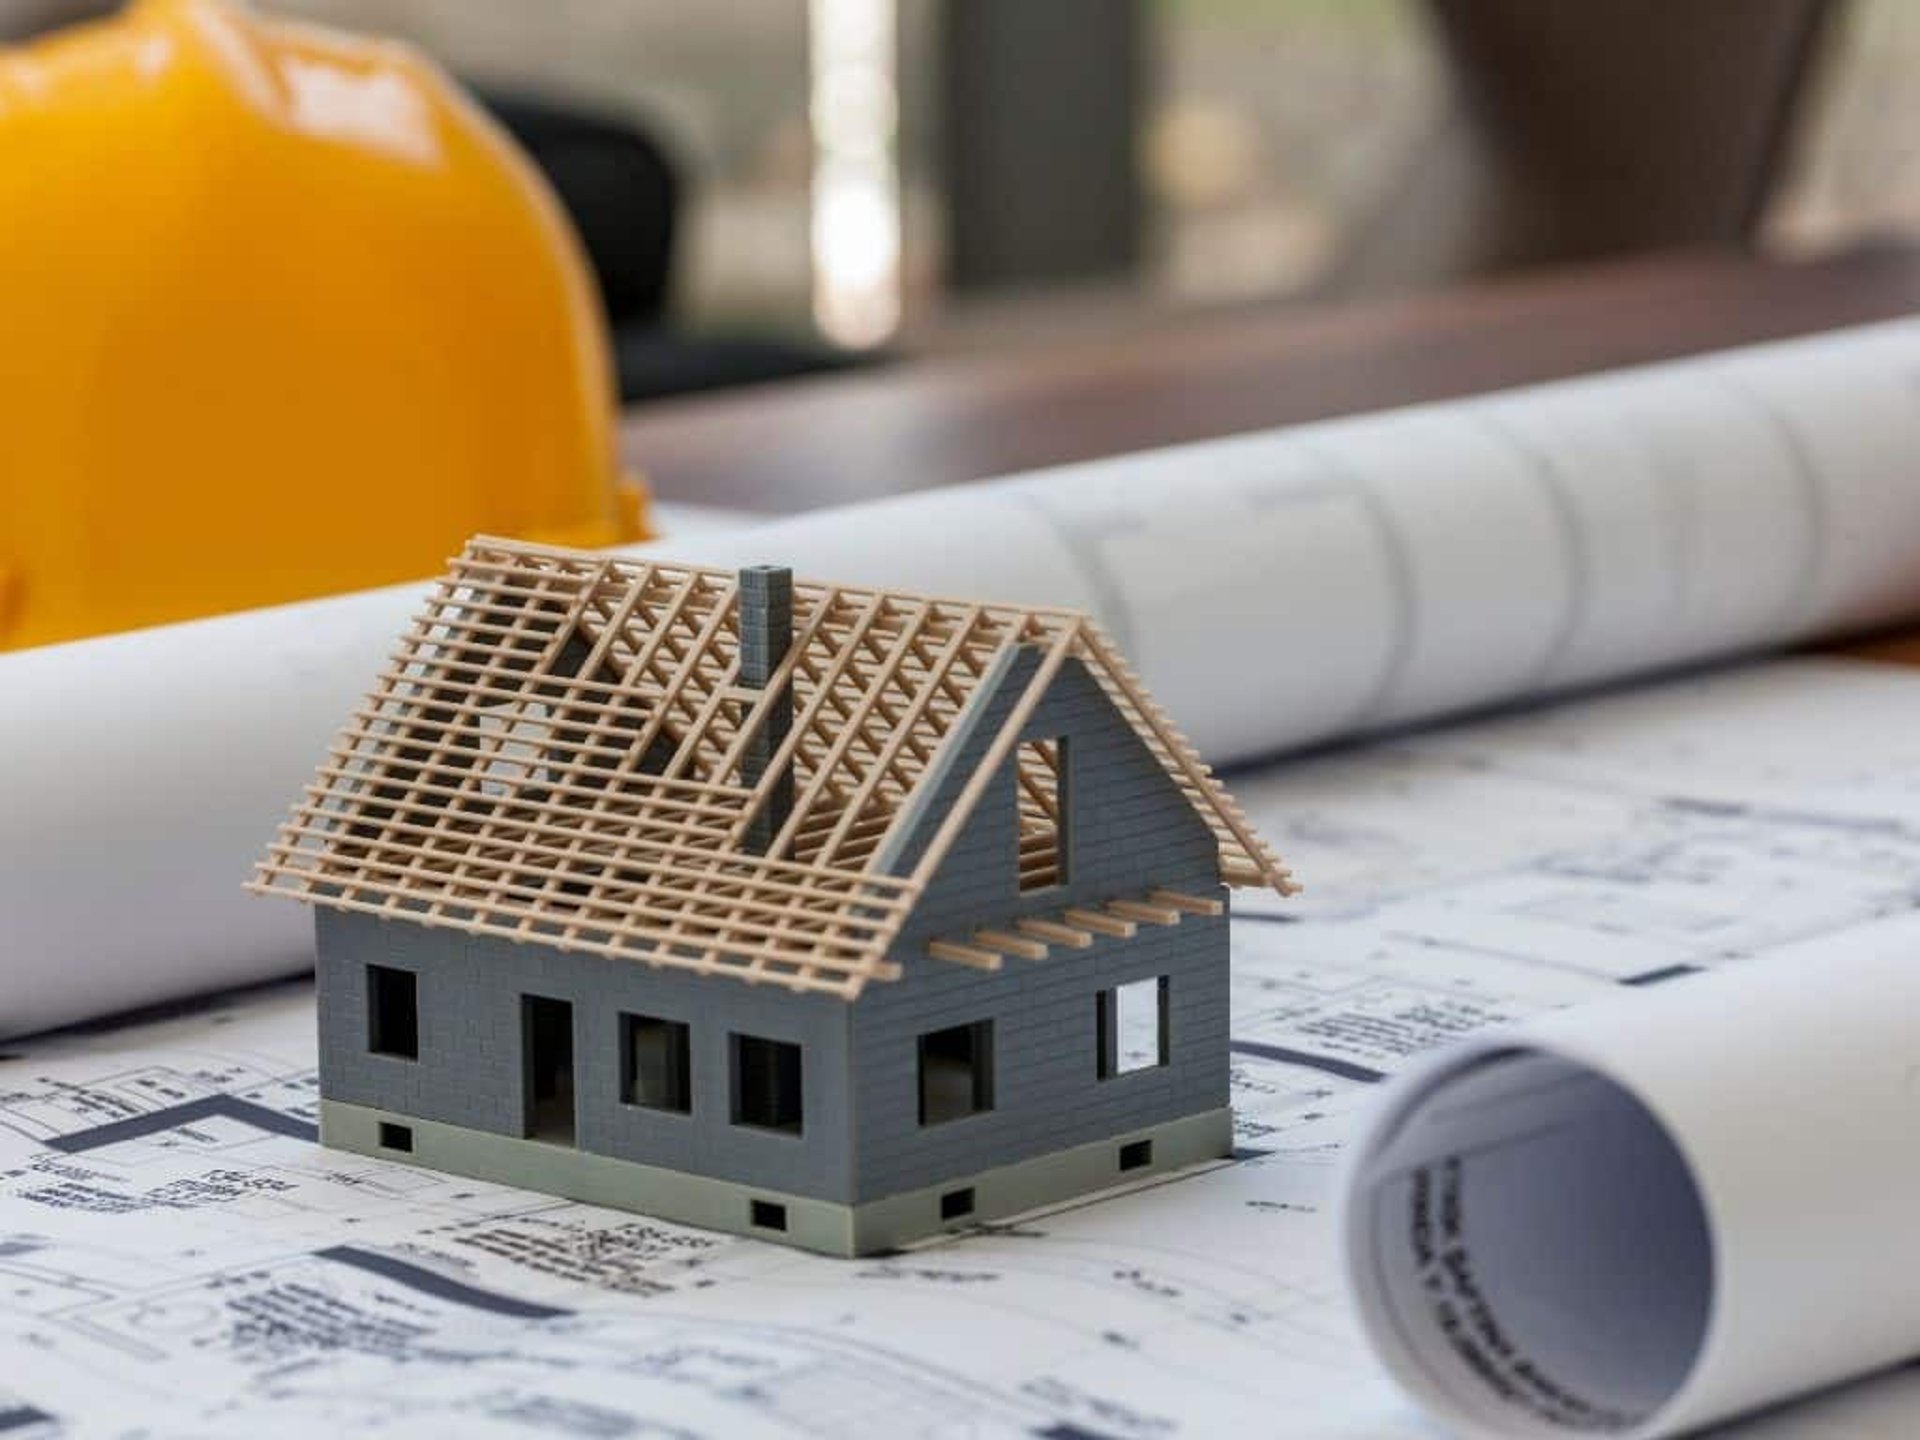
[803,444]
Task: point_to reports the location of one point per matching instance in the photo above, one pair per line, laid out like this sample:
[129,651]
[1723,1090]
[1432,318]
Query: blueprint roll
[1276,590]
[1643,1217]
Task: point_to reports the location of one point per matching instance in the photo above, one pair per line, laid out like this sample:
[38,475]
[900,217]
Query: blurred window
[1271,127]
[1274,129]
[1854,172]
[1273,135]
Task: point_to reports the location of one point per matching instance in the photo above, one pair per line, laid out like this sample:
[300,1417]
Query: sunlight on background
[1271,131]
[856,182]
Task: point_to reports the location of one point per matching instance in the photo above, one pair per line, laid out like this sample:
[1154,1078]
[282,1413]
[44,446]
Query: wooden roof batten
[555,753]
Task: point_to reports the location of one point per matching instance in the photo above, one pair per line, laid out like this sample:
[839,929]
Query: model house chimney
[766,634]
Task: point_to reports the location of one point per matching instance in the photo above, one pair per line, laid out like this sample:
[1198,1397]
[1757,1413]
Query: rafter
[554,753]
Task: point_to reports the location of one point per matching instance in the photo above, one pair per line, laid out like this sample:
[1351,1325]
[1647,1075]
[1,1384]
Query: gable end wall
[1130,830]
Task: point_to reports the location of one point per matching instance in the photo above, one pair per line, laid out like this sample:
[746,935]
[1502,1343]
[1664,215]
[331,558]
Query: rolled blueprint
[1274,589]
[1642,1217]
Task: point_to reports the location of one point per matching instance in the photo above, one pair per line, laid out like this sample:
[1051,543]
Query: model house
[833,915]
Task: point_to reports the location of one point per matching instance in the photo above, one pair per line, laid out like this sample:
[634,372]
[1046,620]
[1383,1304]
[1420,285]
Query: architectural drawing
[178,1257]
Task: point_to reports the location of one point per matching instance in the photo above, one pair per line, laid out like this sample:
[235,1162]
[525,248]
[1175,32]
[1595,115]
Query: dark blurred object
[625,199]
[621,191]
[1038,146]
[1587,130]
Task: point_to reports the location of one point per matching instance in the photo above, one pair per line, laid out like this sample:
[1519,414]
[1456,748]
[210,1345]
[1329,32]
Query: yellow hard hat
[281,314]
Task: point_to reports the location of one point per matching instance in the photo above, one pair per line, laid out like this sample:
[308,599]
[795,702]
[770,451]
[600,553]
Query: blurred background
[774,187]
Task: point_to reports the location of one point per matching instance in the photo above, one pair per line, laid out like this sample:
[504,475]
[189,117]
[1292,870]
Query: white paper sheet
[177,1258]
[1274,590]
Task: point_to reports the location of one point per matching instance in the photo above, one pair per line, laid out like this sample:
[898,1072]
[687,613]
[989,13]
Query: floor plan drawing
[179,1257]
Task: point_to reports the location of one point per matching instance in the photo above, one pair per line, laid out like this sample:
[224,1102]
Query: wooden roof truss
[555,752]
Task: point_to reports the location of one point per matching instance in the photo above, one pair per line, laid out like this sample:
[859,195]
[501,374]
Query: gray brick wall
[470,1066]
[1047,1093]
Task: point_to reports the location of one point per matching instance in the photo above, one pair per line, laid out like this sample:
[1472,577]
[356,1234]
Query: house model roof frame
[581,750]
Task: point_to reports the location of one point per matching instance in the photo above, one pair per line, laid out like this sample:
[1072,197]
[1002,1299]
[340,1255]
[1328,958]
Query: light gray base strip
[821,1225]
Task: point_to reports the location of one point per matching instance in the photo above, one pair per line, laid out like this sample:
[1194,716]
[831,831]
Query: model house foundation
[830,915]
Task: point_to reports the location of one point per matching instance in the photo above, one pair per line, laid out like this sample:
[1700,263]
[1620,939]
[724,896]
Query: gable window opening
[393,1012]
[956,1072]
[1131,1027]
[766,1084]
[656,1067]
[1042,786]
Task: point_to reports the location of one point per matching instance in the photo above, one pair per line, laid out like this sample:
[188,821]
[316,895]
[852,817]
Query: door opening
[546,1028]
